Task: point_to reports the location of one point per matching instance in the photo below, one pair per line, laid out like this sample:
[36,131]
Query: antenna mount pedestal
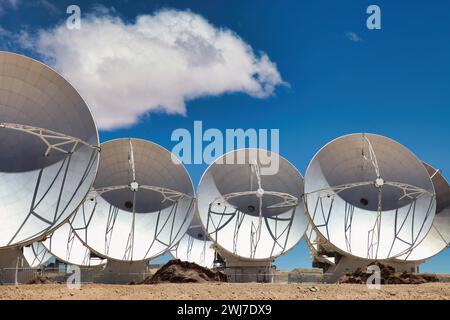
[244,271]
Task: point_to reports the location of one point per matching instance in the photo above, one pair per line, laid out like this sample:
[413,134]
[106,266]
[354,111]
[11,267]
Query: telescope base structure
[14,268]
[345,265]
[244,271]
[123,272]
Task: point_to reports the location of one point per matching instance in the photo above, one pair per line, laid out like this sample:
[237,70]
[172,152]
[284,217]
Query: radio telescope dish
[438,237]
[369,196]
[66,246]
[195,246]
[248,213]
[141,204]
[36,254]
[48,150]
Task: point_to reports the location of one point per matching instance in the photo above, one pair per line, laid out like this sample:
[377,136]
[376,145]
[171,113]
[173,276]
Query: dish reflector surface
[250,214]
[195,246]
[141,204]
[438,237]
[48,150]
[369,196]
[65,245]
[36,254]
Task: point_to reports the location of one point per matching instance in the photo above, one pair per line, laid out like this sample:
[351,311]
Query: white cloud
[157,63]
[352,36]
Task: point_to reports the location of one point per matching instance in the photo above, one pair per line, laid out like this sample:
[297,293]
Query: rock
[388,276]
[430,277]
[41,280]
[177,271]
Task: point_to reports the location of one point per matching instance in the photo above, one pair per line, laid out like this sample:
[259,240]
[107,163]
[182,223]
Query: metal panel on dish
[438,237]
[49,150]
[195,246]
[248,213]
[369,196]
[141,205]
[66,247]
[36,254]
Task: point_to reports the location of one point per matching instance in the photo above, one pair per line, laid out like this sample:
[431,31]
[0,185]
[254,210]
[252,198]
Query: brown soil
[228,291]
[41,280]
[388,276]
[176,271]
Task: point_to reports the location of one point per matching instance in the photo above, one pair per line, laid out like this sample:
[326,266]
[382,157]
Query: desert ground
[226,291]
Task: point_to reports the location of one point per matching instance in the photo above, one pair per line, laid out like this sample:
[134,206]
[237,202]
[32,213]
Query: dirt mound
[177,271]
[388,276]
[41,280]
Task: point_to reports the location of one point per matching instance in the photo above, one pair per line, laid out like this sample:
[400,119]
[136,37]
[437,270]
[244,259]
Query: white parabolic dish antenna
[369,196]
[141,205]
[66,247]
[48,150]
[438,237]
[195,246]
[250,214]
[36,254]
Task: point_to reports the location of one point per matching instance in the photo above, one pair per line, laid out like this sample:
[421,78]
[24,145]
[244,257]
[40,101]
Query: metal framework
[74,250]
[161,225]
[286,201]
[189,248]
[59,208]
[40,254]
[313,242]
[60,140]
[167,195]
[46,136]
[373,237]
[70,242]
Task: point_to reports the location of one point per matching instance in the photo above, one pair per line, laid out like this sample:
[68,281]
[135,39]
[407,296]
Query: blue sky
[394,81]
